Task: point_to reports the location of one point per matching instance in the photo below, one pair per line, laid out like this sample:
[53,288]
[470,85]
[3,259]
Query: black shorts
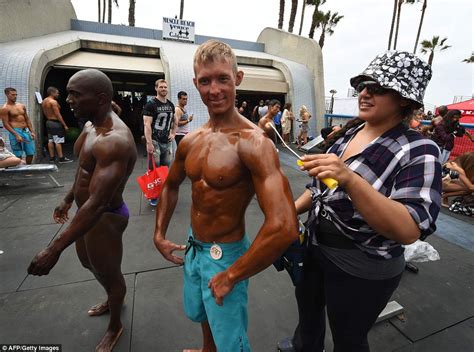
[55,131]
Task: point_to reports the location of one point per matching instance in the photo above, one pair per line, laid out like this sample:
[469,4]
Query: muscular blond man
[107,155]
[16,121]
[223,159]
[55,125]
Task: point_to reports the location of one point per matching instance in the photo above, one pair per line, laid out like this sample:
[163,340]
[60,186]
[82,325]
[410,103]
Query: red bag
[153,180]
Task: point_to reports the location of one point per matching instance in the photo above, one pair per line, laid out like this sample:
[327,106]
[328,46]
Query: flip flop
[98,309]
[114,342]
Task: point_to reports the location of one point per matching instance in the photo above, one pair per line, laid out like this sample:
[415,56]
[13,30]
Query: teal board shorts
[27,146]
[228,322]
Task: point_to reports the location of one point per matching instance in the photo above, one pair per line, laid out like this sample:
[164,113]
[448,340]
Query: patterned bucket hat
[398,70]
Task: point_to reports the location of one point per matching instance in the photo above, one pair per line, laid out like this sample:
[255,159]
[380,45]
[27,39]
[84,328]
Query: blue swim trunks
[27,146]
[228,322]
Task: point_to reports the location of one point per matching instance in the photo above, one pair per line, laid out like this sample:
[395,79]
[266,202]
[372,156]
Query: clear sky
[359,36]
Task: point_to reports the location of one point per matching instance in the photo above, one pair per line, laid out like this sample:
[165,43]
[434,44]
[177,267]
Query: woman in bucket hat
[388,194]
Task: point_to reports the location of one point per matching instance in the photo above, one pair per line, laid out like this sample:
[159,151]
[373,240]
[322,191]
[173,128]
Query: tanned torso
[222,185]
[16,115]
[48,108]
[93,145]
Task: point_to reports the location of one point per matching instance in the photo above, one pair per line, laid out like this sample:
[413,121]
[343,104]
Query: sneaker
[153,202]
[65,160]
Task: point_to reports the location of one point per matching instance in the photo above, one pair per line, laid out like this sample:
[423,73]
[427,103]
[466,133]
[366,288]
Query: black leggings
[353,305]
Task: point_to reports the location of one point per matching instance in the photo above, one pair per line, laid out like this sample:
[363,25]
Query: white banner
[176,29]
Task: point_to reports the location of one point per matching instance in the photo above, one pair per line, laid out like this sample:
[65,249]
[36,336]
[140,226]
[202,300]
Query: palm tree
[433,45]
[302,17]
[423,8]
[109,7]
[315,23]
[294,8]
[98,6]
[394,15]
[103,11]
[131,13]
[469,60]
[399,10]
[281,14]
[328,22]
[181,10]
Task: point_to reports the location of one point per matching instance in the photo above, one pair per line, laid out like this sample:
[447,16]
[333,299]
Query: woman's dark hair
[351,123]
[451,113]
[466,162]
[453,125]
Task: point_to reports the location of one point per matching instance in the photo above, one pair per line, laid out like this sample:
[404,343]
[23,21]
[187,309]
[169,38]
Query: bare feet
[109,340]
[98,309]
[444,203]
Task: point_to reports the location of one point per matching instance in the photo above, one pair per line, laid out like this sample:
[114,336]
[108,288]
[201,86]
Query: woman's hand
[328,166]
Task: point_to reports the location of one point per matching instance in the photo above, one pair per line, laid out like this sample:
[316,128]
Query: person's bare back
[49,105]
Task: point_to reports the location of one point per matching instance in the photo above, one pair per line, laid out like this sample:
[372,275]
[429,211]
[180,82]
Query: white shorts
[56,139]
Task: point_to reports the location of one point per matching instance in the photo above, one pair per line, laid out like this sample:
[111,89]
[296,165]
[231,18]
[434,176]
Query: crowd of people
[354,241]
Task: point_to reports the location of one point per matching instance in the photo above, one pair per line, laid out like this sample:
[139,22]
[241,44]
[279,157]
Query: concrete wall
[304,51]
[21,19]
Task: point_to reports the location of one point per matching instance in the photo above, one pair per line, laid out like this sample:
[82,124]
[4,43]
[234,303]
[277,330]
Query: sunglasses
[372,87]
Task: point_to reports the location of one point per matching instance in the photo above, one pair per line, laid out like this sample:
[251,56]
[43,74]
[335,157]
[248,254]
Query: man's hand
[190,118]
[33,136]
[43,262]
[18,138]
[171,136]
[149,147]
[66,128]
[60,214]
[220,285]
[167,248]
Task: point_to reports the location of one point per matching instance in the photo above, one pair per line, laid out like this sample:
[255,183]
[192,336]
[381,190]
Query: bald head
[95,81]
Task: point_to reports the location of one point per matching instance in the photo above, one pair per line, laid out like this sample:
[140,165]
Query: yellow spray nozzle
[330,182]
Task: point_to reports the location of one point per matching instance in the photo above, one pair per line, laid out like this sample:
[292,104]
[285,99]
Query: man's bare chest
[218,165]
[16,113]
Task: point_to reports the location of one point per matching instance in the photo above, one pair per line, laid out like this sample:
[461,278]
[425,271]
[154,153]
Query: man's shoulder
[48,101]
[119,143]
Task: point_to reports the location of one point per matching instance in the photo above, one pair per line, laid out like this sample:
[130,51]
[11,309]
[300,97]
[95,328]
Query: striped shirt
[402,165]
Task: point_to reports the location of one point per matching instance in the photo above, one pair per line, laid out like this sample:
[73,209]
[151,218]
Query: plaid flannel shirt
[402,165]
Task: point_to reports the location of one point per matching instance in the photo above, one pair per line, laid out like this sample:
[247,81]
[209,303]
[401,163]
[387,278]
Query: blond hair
[213,50]
[161,80]
[303,110]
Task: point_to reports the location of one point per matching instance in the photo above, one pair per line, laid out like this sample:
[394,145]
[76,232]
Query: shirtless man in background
[107,155]
[55,125]
[16,121]
[267,120]
[224,162]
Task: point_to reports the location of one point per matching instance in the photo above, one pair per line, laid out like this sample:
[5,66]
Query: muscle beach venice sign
[176,29]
